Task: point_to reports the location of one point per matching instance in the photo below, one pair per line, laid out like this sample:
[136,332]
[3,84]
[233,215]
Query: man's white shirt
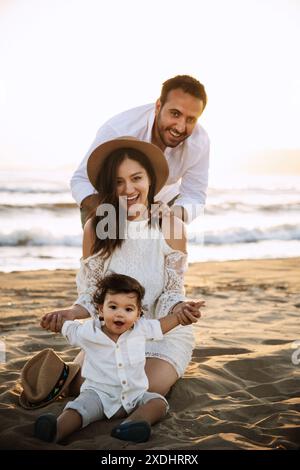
[188,162]
[114,370]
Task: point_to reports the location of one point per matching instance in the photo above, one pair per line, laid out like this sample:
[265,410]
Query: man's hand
[180,212]
[166,211]
[160,208]
[90,202]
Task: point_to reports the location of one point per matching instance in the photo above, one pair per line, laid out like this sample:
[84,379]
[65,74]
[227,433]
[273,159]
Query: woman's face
[133,184]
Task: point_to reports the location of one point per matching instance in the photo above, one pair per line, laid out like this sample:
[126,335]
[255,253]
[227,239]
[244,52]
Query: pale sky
[69,65]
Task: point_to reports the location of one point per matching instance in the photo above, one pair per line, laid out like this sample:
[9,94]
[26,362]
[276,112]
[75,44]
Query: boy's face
[119,312]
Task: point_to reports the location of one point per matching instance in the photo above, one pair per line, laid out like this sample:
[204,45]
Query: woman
[128,173]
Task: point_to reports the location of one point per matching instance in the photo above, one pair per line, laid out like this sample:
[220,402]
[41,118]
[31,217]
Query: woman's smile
[132,183]
[132,199]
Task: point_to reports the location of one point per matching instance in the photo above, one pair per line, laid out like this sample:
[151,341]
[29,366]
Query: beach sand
[241,390]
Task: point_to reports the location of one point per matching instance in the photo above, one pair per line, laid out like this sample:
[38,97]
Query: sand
[241,390]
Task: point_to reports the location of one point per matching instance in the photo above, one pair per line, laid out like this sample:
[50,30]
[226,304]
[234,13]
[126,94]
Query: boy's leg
[51,429]
[77,414]
[84,410]
[152,411]
[137,427]
[67,423]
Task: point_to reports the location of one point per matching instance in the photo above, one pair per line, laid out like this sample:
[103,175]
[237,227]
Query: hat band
[56,389]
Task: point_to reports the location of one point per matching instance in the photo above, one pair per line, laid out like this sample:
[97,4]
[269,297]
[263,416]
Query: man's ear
[157,106]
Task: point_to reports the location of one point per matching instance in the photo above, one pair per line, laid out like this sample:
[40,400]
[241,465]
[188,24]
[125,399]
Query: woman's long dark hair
[106,186]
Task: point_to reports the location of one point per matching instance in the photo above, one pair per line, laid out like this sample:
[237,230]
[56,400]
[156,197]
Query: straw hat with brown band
[44,377]
[154,154]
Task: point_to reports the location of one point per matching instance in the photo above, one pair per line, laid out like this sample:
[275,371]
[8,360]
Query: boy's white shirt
[188,162]
[116,371]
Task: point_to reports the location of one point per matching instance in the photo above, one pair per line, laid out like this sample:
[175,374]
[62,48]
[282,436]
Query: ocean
[245,218]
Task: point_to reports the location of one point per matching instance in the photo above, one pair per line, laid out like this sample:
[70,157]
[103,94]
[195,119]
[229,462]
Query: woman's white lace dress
[147,257]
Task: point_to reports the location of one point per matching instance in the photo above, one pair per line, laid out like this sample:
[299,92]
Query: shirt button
[117,346]
[123,398]
[124,382]
[120,364]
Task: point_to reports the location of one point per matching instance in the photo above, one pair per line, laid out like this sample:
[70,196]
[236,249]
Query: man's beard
[161,135]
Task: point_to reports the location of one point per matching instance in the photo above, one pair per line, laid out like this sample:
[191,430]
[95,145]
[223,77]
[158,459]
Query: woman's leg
[161,375]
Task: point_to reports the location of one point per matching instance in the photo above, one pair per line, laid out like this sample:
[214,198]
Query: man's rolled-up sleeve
[80,184]
[193,187]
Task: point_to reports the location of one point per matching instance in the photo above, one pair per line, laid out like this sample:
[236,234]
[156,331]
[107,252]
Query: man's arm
[81,187]
[180,212]
[192,191]
[90,202]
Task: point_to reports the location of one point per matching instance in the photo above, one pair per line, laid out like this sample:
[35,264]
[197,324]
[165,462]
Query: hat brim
[154,154]
[73,369]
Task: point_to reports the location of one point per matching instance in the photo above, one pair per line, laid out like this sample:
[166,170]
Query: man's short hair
[187,84]
[118,284]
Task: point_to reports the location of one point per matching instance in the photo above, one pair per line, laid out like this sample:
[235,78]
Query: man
[171,124]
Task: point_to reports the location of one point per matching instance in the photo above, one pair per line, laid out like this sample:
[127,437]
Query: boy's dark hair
[187,84]
[118,284]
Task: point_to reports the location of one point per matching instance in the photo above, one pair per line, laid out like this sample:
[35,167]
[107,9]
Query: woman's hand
[54,321]
[188,312]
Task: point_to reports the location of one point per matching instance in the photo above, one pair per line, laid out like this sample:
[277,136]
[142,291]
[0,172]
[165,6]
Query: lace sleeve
[90,272]
[175,267]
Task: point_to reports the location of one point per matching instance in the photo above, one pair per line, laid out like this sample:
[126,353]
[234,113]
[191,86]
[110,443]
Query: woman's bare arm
[53,321]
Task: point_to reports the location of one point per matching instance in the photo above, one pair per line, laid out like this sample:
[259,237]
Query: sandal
[45,427]
[135,431]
